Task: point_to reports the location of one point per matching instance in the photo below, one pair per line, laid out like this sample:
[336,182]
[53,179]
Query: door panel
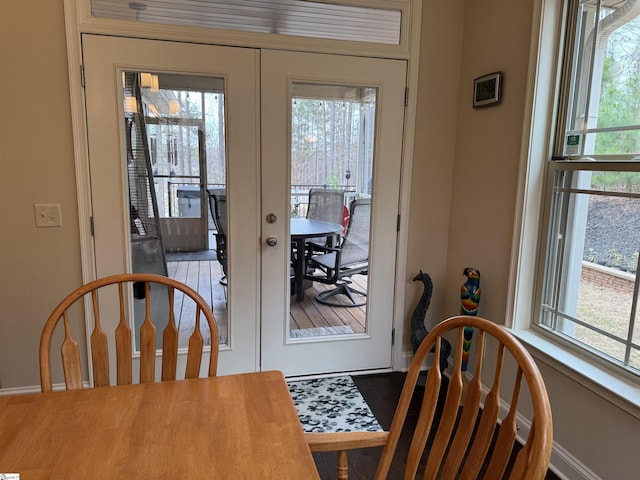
[183,70]
[246,158]
[332,82]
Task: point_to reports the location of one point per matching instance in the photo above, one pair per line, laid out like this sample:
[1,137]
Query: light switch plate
[48,214]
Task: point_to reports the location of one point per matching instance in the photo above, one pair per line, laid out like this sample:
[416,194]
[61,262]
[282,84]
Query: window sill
[621,392]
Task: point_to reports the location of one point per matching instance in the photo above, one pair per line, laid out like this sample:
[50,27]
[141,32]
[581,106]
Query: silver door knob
[272,241]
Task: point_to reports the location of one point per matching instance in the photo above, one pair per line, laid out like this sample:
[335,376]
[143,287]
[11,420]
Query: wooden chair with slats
[149,291]
[466,442]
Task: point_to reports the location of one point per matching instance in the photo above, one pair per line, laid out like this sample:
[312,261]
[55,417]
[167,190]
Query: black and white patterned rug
[332,405]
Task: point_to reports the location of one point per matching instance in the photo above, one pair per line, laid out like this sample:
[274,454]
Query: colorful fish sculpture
[470,292]
[469,301]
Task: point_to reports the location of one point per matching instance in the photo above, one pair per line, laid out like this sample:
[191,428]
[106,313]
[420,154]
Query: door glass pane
[176,168]
[332,154]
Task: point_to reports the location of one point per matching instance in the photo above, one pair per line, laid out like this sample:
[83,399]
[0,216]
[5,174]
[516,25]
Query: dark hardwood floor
[381,391]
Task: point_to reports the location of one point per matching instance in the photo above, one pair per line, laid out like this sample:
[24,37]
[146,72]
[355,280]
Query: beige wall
[434,154]
[39,265]
[463,192]
[496,38]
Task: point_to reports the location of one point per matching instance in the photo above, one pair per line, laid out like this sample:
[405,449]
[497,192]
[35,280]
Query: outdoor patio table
[300,230]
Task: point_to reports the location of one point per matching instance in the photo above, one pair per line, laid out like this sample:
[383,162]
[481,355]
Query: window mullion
[632,319]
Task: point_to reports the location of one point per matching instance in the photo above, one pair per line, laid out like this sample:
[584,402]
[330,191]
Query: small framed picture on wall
[487,90]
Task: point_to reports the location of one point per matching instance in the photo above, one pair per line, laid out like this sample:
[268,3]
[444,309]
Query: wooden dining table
[229,427]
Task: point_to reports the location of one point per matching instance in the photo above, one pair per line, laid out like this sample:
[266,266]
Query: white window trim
[540,105]
[623,393]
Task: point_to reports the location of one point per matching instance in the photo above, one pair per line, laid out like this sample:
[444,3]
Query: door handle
[272,241]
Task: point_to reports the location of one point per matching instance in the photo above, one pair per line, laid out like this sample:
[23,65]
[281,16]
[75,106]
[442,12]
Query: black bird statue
[418,330]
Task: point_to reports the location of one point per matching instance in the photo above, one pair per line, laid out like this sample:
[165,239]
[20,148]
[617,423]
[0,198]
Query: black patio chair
[335,265]
[326,204]
[218,206]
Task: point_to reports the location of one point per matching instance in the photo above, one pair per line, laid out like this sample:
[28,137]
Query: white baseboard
[33,389]
[563,464]
[568,467]
[20,390]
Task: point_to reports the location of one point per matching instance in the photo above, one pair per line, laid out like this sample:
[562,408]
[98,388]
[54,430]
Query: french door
[331,87]
[199,72]
[222,119]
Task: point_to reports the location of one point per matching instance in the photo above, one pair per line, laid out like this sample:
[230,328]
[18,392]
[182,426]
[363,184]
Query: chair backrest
[120,291]
[220,202]
[455,448]
[218,207]
[355,247]
[326,204]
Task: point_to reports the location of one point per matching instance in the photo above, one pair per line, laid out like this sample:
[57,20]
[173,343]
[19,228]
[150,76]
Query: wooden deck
[312,314]
[204,277]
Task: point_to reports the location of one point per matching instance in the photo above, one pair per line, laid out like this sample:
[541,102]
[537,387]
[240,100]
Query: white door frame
[78,20]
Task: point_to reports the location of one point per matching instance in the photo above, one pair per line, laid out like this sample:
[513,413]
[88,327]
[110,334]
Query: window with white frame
[588,293]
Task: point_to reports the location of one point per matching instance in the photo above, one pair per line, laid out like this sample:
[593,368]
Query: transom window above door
[285,17]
